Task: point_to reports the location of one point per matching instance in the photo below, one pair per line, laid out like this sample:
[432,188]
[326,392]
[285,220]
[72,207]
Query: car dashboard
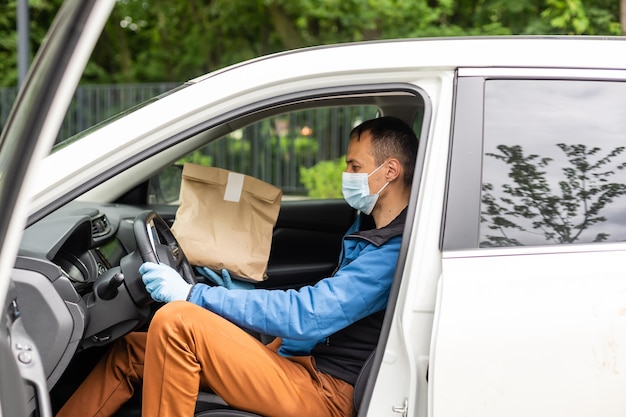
[62,257]
[83,240]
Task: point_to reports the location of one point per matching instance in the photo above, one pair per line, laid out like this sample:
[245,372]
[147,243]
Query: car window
[553,162]
[300,152]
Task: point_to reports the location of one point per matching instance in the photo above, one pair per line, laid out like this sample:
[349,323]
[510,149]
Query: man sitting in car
[323,332]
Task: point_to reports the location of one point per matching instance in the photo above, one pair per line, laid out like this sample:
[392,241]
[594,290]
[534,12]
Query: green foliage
[41,13]
[175,40]
[323,180]
[568,15]
[197,157]
[561,217]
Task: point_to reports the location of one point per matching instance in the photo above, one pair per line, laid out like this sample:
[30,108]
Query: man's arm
[313,312]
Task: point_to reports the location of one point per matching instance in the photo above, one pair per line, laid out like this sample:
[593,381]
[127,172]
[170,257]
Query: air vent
[100,225]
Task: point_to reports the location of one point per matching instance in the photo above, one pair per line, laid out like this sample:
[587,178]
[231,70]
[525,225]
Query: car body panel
[543,333]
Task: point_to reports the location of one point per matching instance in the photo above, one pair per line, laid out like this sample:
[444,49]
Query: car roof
[594,52]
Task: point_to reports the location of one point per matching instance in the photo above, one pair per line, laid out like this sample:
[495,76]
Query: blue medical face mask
[356,190]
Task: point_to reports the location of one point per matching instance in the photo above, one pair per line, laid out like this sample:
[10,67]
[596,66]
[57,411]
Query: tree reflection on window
[534,204]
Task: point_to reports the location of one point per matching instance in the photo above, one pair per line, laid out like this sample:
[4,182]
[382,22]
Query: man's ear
[394,169]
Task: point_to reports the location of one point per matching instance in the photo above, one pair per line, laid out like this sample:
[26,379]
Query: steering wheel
[156,243]
[120,302]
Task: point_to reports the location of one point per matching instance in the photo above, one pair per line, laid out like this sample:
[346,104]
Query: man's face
[359,159]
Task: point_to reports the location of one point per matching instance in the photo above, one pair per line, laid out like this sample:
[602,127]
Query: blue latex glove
[225,280]
[163,282]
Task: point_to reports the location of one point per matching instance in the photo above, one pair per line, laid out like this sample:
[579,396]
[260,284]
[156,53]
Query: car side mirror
[164,188]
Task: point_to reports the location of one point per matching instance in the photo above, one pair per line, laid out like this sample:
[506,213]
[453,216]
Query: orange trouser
[188,348]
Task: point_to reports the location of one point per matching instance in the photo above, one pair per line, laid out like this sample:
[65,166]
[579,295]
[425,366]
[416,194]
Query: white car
[510,292]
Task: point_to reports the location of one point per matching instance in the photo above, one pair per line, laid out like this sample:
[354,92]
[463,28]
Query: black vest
[344,353]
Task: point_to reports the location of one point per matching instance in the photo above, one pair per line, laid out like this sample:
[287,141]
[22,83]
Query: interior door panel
[22,378]
[12,396]
[12,390]
[307,242]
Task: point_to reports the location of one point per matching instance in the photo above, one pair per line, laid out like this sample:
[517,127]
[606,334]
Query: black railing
[92,103]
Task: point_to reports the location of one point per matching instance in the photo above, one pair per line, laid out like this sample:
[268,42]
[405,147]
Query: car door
[27,136]
[530,311]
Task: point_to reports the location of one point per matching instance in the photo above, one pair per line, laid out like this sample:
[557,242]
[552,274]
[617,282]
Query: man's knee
[172,313]
[181,313]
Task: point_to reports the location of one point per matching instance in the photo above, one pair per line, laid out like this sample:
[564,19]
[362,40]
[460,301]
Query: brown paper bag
[226,220]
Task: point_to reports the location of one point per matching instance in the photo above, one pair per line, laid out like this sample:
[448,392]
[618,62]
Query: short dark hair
[391,138]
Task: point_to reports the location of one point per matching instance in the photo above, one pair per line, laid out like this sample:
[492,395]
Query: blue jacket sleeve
[357,290]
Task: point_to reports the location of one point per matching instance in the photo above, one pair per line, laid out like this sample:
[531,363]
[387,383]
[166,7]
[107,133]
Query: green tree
[572,17]
[323,180]
[41,13]
[176,40]
[529,199]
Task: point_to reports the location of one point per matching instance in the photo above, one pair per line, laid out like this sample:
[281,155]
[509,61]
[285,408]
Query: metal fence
[7,97]
[92,103]
[278,148]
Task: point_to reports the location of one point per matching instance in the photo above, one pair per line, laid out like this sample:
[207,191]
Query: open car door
[27,136]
